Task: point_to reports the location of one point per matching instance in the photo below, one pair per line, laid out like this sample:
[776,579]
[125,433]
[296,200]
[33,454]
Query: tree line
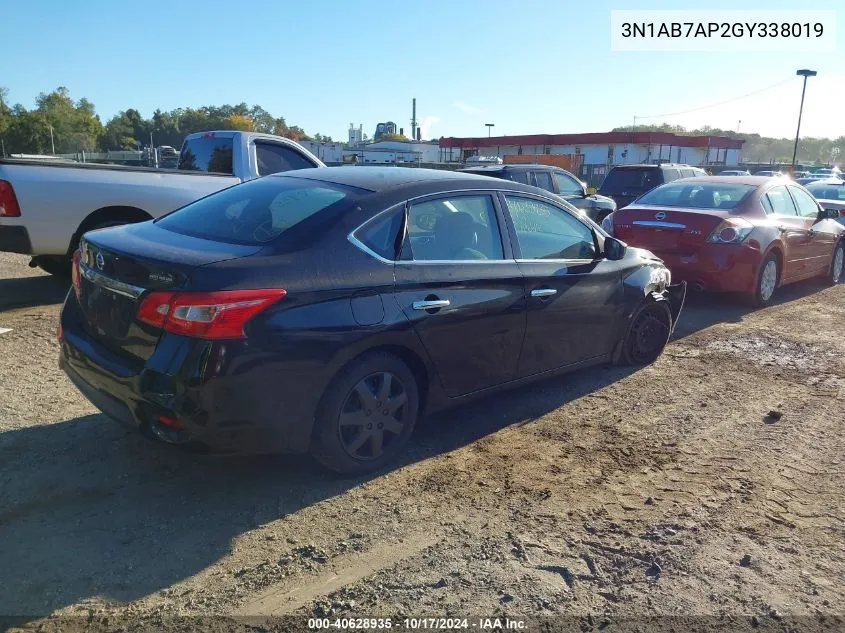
[761,149]
[59,124]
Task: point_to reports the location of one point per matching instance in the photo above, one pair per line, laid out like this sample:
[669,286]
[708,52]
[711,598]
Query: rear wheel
[767,281]
[834,275]
[648,335]
[367,415]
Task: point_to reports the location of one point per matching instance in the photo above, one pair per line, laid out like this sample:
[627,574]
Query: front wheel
[648,334]
[834,274]
[367,415]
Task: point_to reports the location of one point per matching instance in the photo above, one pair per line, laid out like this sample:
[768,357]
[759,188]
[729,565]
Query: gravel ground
[708,486]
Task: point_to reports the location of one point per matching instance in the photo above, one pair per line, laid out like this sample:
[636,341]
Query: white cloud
[426,124]
[467,108]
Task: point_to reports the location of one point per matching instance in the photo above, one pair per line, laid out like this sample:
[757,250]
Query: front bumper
[15,239]
[716,267]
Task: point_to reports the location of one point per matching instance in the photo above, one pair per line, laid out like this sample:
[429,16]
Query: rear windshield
[207,153]
[697,195]
[619,180]
[824,191]
[263,210]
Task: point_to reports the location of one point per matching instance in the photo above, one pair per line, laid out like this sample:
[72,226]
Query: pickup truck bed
[45,207]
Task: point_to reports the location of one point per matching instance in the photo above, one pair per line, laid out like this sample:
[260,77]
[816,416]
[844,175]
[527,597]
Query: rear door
[459,286]
[543,179]
[794,232]
[571,291]
[820,242]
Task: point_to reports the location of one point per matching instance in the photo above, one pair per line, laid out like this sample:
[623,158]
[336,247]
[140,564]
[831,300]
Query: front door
[572,293]
[820,243]
[793,229]
[463,296]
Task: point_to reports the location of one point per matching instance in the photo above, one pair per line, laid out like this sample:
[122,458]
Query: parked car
[625,183]
[808,179]
[830,194]
[828,172]
[735,172]
[46,207]
[735,234]
[767,173]
[796,175]
[556,180]
[324,310]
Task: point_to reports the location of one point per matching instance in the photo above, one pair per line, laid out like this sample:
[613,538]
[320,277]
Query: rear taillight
[75,273]
[731,231]
[9,207]
[208,315]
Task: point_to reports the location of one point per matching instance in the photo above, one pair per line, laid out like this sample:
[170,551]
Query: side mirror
[584,193]
[829,214]
[614,249]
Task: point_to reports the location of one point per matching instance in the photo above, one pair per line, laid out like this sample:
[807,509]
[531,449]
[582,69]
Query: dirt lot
[607,497]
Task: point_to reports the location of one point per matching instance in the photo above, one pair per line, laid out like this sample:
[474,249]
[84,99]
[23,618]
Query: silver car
[830,193]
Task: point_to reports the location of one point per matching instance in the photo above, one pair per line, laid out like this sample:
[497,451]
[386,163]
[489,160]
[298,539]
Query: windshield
[260,211]
[619,180]
[697,195]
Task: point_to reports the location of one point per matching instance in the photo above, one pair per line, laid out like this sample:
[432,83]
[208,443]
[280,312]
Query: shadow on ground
[91,509]
[25,292]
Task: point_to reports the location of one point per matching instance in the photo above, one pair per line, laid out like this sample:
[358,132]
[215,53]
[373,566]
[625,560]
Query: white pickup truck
[46,207]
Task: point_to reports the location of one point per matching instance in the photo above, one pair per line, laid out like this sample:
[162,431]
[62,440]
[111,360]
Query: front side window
[543,231]
[455,228]
[697,195]
[567,185]
[780,202]
[272,159]
[687,173]
[807,207]
[544,180]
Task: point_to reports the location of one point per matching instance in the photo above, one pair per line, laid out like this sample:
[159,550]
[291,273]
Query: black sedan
[325,310]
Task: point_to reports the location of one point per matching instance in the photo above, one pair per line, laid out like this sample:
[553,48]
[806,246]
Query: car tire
[837,264]
[367,415]
[767,282]
[648,333]
[56,266]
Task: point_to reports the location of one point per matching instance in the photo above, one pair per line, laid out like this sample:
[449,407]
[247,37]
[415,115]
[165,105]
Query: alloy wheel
[373,416]
[768,280]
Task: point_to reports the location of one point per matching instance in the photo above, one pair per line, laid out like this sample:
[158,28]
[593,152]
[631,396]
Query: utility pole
[153,150]
[52,144]
[803,73]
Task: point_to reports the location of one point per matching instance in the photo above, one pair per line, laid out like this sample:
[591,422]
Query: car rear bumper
[15,239]
[212,412]
[715,267]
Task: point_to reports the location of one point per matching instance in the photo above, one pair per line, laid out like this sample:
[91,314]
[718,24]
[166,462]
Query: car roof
[380,178]
[497,168]
[756,181]
[661,166]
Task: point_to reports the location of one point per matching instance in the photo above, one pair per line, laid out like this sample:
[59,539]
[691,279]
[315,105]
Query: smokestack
[413,116]
[401,131]
[419,134]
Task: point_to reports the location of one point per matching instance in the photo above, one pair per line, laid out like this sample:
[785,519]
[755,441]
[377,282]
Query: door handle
[543,292]
[434,304]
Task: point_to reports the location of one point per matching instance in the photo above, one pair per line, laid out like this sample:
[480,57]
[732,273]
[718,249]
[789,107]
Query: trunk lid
[666,229]
[120,264]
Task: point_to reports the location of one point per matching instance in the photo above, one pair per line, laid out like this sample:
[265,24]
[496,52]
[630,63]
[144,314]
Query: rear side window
[687,173]
[454,228]
[273,159]
[544,180]
[519,176]
[380,235]
[207,153]
[261,211]
[671,174]
[780,202]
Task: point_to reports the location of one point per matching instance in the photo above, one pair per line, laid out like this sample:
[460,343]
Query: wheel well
[107,214]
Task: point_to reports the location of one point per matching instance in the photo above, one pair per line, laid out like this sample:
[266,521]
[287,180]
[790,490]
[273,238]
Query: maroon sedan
[746,234]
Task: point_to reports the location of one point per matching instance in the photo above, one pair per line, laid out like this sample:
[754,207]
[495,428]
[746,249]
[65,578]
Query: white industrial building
[390,152]
[611,148]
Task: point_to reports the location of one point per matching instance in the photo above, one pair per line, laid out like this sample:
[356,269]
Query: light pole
[489,128]
[803,73]
[52,144]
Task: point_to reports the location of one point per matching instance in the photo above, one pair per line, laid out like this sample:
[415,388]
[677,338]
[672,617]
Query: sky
[528,66]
